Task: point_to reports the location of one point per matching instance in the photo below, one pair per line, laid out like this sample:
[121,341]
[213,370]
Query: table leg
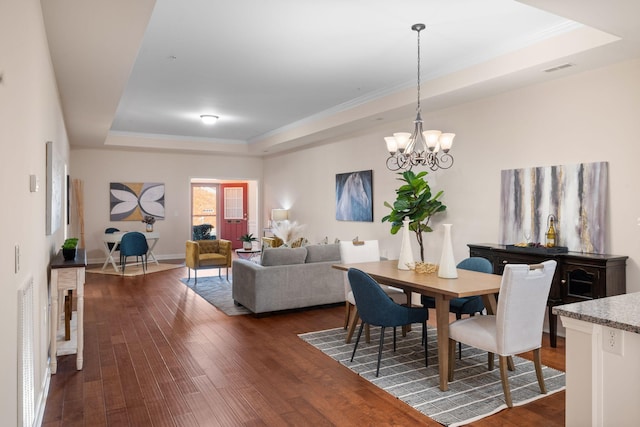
[67,317]
[109,253]
[54,320]
[80,274]
[150,253]
[442,319]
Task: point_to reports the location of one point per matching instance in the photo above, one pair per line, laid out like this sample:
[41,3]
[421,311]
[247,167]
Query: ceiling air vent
[558,67]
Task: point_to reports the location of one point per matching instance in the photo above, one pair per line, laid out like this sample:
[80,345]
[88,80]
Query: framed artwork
[55,177]
[134,201]
[576,195]
[354,196]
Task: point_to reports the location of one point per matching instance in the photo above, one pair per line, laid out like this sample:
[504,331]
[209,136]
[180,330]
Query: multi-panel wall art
[134,201]
[574,194]
[354,196]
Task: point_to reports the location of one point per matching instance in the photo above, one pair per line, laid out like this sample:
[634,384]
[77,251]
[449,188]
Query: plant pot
[149,228]
[69,254]
[247,246]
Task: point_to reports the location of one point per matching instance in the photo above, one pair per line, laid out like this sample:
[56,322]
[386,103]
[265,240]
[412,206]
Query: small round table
[247,253]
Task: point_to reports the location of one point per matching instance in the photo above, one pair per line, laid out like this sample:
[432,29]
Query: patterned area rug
[135,269]
[217,292]
[474,394]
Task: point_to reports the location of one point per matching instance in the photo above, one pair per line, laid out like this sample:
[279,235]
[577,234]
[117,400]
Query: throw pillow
[283,256]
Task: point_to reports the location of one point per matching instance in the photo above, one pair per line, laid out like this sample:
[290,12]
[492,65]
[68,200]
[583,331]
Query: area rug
[217,292]
[135,270]
[474,394]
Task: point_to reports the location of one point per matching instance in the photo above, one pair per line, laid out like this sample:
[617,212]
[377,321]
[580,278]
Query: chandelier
[420,148]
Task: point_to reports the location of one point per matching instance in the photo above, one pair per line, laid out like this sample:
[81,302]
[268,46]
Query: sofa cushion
[323,253]
[283,256]
[207,260]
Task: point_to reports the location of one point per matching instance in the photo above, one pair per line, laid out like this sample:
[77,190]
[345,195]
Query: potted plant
[149,221]
[247,241]
[70,248]
[416,202]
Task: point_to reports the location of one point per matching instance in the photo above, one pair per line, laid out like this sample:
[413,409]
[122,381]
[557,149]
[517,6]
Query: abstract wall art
[133,201]
[55,180]
[575,194]
[354,196]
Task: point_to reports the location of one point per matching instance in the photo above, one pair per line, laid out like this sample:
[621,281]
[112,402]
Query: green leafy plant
[248,238]
[70,243]
[415,201]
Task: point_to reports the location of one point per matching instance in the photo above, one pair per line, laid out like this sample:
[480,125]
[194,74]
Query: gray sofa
[289,278]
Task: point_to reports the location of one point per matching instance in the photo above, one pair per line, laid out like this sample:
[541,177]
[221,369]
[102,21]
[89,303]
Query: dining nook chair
[135,244]
[517,325]
[377,309]
[465,305]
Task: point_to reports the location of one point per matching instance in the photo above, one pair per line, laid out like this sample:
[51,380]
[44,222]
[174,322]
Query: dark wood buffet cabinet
[578,276]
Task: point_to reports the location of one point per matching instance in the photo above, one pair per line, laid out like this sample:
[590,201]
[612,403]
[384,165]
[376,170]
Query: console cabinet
[578,276]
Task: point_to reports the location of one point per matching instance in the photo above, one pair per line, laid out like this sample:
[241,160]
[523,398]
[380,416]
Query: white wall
[589,117]
[30,115]
[98,168]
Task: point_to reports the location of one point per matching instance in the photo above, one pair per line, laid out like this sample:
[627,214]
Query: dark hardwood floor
[157,354]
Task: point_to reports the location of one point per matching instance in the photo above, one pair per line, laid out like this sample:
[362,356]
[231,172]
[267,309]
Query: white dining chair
[517,325]
[363,251]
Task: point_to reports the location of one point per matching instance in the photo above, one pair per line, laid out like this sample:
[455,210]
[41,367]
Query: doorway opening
[229,206]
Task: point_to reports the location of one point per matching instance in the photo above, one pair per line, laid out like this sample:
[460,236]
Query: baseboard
[41,402]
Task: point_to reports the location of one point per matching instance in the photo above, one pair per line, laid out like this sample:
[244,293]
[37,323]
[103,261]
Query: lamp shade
[279,214]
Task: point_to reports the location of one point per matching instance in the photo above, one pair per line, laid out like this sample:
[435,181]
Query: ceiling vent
[558,67]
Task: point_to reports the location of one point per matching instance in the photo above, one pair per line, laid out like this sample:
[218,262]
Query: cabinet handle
[505,262]
[563,281]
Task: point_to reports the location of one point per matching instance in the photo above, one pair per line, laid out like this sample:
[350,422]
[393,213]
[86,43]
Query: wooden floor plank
[157,354]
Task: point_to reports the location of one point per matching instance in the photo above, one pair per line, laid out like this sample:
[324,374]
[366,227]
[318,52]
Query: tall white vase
[406,254]
[447,268]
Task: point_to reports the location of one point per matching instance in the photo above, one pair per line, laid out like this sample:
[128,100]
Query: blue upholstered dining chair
[465,305]
[133,244]
[377,309]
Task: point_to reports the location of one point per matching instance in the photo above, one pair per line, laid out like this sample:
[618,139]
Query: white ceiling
[284,73]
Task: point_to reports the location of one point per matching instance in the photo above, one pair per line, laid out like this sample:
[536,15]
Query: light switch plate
[34,183]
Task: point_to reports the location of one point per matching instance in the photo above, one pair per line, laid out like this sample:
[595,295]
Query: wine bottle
[551,234]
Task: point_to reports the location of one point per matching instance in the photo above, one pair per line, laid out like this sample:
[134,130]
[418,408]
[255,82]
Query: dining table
[115,238]
[468,283]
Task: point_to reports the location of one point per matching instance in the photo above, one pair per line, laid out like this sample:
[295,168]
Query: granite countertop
[619,312]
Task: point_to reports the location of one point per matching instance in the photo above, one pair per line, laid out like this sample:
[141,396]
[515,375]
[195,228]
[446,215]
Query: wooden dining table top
[468,283]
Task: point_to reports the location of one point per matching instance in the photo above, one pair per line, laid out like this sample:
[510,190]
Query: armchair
[202,254]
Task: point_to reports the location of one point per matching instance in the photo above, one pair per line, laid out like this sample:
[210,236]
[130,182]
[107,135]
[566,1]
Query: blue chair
[111,230]
[465,305]
[134,244]
[377,309]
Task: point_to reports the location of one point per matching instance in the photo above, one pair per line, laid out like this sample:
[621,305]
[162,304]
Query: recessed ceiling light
[208,119]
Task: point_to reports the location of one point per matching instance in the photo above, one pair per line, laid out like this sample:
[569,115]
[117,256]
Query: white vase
[406,255]
[447,268]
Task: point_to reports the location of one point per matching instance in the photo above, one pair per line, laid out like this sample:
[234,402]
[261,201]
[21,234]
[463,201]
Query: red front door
[233,222]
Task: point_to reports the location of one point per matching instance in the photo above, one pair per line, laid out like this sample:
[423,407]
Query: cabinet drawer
[504,259]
